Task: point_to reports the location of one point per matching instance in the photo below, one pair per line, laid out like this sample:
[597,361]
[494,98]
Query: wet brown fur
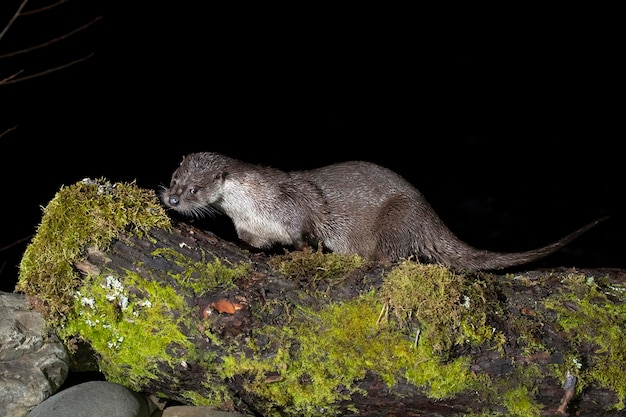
[348,207]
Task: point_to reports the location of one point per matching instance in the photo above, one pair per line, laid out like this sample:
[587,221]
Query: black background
[509,122]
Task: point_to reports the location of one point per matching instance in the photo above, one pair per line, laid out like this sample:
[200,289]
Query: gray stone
[33,363]
[95,399]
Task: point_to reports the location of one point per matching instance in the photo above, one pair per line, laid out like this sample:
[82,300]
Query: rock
[95,399]
[33,363]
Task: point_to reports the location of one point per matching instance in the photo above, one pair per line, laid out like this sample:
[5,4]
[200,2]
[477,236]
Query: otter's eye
[193,190]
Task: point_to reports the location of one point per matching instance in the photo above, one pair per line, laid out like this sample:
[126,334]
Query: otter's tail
[489,260]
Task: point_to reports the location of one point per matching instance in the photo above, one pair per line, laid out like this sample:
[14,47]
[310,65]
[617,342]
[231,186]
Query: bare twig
[17,242]
[48,71]
[15,15]
[4,133]
[50,42]
[44,8]
[10,77]
[18,13]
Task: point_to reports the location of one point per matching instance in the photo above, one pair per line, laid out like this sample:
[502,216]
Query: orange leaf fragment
[226,306]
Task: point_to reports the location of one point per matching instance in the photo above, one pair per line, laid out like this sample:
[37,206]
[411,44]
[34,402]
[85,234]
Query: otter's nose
[174,200]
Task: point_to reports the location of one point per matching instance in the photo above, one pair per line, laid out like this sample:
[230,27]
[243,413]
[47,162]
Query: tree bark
[263,297]
[165,308]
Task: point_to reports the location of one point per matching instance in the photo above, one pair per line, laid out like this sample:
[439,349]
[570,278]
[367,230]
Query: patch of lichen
[321,355]
[593,313]
[315,266]
[133,333]
[451,308]
[87,214]
[134,326]
[141,330]
[203,276]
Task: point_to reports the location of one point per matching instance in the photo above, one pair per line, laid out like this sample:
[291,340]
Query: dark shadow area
[513,140]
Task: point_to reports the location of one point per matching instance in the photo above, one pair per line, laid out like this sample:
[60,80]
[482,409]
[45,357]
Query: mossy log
[168,309]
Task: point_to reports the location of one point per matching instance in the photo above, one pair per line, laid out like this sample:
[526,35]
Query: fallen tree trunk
[168,309]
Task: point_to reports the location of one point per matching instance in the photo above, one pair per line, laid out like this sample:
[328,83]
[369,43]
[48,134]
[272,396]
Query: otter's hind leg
[392,229]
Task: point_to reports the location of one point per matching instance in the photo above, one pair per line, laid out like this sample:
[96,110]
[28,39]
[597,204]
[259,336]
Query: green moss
[451,308]
[593,313]
[137,336]
[316,265]
[520,403]
[455,309]
[323,354]
[111,318]
[203,276]
[516,390]
[527,331]
[86,214]
[200,401]
[99,310]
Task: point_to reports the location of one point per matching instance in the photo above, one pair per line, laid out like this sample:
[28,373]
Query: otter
[353,207]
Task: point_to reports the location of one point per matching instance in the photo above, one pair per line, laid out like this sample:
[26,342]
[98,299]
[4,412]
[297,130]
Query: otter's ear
[221,176]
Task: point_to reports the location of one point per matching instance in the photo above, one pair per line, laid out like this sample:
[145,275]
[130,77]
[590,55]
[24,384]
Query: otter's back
[358,183]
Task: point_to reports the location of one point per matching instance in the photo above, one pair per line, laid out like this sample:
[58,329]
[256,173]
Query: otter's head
[196,186]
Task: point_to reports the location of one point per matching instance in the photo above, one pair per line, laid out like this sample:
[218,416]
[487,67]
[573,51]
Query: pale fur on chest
[255,220]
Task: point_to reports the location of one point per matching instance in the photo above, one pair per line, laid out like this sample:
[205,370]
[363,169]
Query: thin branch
[2,134]
[44,8]
[48,71]
[17,242]
[50,42]
[17,13]
[10,77]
